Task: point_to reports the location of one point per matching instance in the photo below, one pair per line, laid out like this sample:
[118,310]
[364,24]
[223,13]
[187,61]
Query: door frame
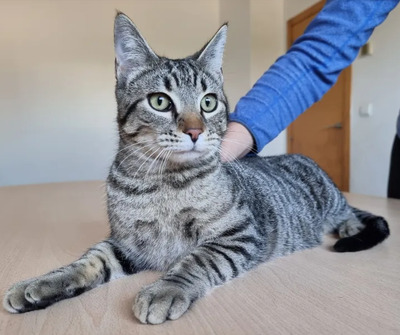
[346,73]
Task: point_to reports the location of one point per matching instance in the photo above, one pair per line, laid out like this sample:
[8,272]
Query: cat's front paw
[15,301]
[33,294]
[160,301]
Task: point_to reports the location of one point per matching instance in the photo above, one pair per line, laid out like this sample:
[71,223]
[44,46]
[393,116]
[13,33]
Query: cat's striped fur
[174,207]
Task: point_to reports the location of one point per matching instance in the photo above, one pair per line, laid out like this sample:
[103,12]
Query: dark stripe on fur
[216,270]
[208,160]
[203,84]
[122,120]
[185,182]
[106,269]
[194,79]
[167,84]
[235,248]
[200,263]
[247,239]
[193,275]
[183,278]
[188,228]
[236,230]
[173,74]
[91,249]
[137,131]
[169,65]
[130,190]
[127,265]
[176,281]
[235,271]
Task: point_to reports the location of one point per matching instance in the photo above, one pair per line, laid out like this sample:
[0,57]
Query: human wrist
[237,142]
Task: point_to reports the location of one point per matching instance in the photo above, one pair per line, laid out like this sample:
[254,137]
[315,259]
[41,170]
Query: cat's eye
[209,103]
[160,102]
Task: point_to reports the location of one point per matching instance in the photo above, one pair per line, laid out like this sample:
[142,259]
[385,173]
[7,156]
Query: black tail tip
[372,235]
[349,244]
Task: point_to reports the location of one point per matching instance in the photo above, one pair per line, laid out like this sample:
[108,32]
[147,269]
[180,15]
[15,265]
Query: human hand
[237,142]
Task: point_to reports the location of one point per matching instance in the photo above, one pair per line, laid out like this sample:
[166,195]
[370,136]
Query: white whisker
[135,144]
[132,153]
[148,157]
[155,159]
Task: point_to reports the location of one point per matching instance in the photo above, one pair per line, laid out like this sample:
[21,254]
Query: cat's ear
[131,50]
[212,53]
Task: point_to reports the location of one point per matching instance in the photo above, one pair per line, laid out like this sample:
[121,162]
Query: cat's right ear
[131,50]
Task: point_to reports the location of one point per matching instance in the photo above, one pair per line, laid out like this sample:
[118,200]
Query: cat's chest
[167,206]
[161,225]
[165,210]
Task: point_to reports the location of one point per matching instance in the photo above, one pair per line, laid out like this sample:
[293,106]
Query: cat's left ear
[211,55]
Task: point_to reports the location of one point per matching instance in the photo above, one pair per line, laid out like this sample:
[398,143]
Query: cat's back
[274,169]
[289,197]
[285,179]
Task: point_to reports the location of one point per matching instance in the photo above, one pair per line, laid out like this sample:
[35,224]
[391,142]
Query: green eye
[209,103]
[160,102]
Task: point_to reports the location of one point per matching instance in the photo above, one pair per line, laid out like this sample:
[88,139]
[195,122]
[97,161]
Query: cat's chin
[186,156]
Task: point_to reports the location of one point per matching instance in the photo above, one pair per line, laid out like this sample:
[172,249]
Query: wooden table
[311,292]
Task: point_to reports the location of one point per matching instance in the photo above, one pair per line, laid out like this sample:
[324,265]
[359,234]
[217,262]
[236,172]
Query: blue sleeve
[310,67]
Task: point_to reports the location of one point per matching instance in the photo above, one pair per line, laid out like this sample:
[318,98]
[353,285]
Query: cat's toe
[178,306]
[14,300]
[157,303]
[32,294]
[42,291]
[14,303]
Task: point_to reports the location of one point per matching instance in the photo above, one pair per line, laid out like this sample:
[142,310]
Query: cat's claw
[159,302]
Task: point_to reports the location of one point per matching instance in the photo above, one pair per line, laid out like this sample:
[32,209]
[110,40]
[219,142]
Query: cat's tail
[369,231]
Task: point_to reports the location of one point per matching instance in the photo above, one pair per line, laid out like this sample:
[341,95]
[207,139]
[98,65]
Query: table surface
[315,291]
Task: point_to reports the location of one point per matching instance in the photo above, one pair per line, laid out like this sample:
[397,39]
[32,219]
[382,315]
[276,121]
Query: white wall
[57,107]
[294,7]
[268,42]
[237,49]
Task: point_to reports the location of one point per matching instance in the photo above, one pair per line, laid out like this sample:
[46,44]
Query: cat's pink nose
[193,133]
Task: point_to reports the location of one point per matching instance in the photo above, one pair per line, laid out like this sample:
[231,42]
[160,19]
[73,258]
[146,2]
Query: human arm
[305,73]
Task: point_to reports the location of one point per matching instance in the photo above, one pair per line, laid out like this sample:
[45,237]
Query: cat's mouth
[193,151]
[189,151]
[192,148]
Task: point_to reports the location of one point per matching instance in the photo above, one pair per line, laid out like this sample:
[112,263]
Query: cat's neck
[134,164]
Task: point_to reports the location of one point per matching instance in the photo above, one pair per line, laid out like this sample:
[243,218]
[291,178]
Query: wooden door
[322,132]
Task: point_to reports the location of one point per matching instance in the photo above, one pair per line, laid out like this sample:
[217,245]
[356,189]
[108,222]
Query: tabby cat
[174,207]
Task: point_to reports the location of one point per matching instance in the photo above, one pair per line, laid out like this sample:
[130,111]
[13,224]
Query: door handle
[337,125]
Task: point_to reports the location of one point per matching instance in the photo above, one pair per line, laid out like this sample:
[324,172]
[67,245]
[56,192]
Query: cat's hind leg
[97,266]
[362,230]
[350,227]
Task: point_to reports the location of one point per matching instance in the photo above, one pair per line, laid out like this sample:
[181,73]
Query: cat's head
[171,108]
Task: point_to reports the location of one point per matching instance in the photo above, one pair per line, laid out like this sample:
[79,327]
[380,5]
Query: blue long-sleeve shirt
[310,67]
